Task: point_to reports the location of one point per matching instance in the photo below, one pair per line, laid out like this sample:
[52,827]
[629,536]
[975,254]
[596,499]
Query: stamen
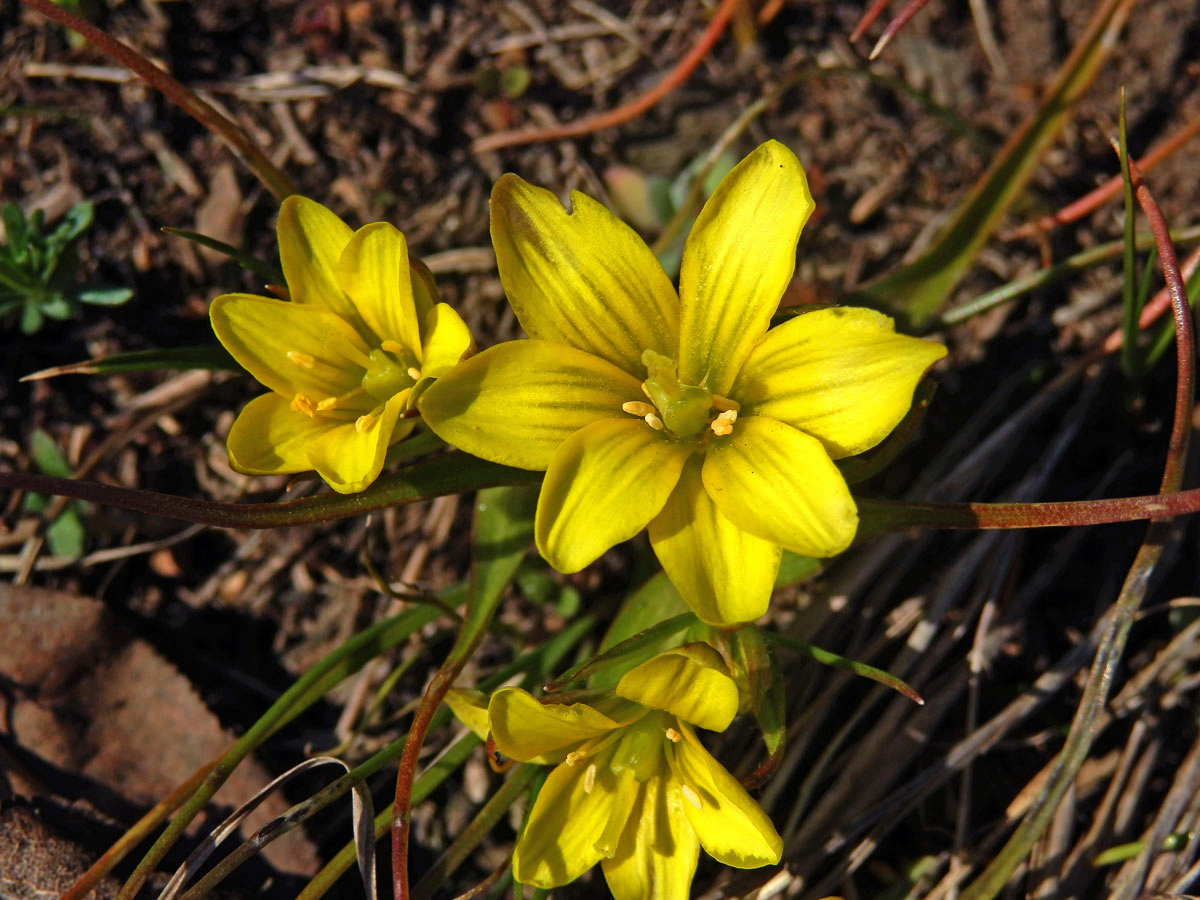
[392,347]
[364,423]
[724,404]
[654,421]
[589,779]
[303,360]
[302,403]
[674,736]
[574,758]
[638,408]
[691,797]
[723,424]
[646,391]
[334,402]
[414,373]
[279,291]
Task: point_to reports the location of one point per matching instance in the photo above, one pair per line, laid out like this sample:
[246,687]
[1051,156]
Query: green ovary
[384,377]
[685,409]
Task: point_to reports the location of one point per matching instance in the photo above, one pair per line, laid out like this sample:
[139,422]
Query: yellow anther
[364,423]
[303,360]
[334,402]
[392,347]
[674,736]
[637,408]
[724,404]
[723,424]
[302,403]
[414,373]
[574,758]
[646,391]
[589,779]
[653,421]
[691,797]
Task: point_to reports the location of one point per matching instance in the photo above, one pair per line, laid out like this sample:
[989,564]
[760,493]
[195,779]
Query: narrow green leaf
[917,290]
[214,357]
[271,273]
[826,658]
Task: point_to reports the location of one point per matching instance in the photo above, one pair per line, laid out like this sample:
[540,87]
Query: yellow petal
[583,278]
[515,403]
[350,455]
[779,484]
[732,828]
[373,271]
[725,574]
[525,729]
[470,708]
[658,851]
[311,241]
[842,375]
[690,681]
[603,485]
[738,260]
[260,333]
[566,823]
[424,290]
[269,438]
[447,341]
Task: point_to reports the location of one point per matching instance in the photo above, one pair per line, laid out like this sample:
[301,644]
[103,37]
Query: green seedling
[38,268]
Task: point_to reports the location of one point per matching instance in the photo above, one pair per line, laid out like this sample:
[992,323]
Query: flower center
[682,410]
[387,370]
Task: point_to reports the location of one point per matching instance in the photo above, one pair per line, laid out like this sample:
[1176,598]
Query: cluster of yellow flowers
[680,412]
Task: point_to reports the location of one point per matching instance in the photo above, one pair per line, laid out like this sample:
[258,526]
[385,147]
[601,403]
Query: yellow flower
[341,357]
[633,789]
[679,412]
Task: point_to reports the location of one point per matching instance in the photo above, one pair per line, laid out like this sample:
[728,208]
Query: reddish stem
[621,114]
[1090,201]
[1158,305]
[1185,346]
[434,695]
[873,12]
[911,8]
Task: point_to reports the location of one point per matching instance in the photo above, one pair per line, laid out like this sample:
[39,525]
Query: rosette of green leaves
[38,268]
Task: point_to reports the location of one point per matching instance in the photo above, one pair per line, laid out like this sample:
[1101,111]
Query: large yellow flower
[679,412]
[633,788]
[341,357]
